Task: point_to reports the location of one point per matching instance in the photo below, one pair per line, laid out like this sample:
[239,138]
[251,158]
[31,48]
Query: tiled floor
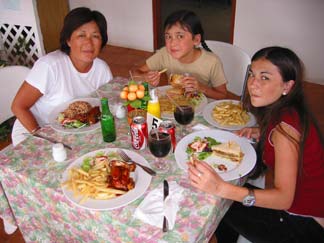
[121,60]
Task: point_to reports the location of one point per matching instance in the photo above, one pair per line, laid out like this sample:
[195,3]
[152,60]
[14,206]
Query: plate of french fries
[85,181]
[167,106]
[228,115]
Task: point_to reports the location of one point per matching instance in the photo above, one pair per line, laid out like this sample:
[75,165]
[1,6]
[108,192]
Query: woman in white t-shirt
[71,72]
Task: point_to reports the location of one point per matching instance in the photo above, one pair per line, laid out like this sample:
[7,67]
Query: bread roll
[175,80]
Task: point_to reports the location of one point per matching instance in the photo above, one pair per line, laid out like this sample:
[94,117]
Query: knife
[165,194]
[52,140]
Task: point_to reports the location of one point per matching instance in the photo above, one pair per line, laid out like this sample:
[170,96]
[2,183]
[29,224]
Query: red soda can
[139,133]
[169,127]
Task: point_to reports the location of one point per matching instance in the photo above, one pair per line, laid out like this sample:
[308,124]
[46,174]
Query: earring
[284,93]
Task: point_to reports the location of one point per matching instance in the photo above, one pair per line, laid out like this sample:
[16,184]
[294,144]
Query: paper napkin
[199,127]
[152,209]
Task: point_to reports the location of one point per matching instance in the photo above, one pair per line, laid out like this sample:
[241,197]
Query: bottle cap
[59,152]
[153,95]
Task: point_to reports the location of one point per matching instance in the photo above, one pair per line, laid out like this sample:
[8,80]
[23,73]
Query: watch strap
[249,200]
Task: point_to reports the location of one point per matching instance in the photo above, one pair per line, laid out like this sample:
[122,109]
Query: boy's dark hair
[77,17]
[188,20]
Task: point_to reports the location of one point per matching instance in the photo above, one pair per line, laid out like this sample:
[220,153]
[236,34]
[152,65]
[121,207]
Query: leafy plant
[6,128]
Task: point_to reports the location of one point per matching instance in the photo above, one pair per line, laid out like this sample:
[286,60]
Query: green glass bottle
[107,122]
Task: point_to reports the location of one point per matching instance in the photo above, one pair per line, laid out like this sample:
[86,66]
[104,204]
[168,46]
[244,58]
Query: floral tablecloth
[31,195]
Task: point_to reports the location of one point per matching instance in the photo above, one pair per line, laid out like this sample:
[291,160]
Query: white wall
[296,24]
[130,22]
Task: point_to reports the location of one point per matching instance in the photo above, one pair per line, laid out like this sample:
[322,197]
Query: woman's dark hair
[290,68]
[187,20]
[77,17]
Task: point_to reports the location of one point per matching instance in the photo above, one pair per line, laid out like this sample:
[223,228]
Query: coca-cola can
[139,133]
[169,127]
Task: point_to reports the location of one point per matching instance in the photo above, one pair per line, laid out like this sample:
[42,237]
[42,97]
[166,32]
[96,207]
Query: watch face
[249,201]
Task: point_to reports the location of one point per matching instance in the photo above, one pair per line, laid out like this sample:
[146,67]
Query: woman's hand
[249,132]
[25,98]
[203,177]
[153,77]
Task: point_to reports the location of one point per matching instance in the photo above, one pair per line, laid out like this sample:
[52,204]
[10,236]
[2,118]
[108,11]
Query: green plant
[6,128]
[21,45]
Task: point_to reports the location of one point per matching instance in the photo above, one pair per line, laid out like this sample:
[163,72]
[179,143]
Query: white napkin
[152,209]
[199,127]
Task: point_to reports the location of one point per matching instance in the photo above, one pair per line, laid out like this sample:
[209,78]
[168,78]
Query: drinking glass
[133,113]
[184,114]
[160,145]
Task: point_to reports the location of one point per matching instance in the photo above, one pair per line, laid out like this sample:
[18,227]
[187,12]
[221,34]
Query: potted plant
[136,95]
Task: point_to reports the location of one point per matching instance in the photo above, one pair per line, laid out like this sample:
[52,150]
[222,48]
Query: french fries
[230,114]
[168,107]
[163,70]
[92,184]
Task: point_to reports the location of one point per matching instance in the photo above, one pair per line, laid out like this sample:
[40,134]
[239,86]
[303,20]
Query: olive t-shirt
[207,69]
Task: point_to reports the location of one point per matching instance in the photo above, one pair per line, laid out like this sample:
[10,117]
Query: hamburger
[230,150]
[175,82]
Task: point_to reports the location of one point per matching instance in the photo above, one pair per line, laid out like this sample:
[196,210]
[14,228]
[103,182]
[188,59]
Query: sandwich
[174,92]
[176,85]
[229,150]
[176,80]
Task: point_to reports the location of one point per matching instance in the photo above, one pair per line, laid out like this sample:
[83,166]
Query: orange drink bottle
[153,106]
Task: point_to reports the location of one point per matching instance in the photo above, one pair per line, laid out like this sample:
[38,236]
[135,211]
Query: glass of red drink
[159,143]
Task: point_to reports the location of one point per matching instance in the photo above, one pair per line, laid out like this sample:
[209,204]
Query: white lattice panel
[17,53]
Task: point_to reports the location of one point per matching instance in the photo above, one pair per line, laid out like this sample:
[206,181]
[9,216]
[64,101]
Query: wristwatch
[249,200]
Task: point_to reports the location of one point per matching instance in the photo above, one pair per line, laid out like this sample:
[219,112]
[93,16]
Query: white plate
[234,169]
[58,127]
[141,178]
[198,110]
[208,111]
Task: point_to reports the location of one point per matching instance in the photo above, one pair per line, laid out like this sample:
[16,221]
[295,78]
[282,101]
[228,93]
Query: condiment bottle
[153,106]
[58,152]
[120,111]
[107,122]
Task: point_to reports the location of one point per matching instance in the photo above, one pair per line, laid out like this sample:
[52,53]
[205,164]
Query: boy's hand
[190,84]
[153,77]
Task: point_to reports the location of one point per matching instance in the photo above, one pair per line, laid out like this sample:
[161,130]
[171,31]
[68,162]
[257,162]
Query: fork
[126,158]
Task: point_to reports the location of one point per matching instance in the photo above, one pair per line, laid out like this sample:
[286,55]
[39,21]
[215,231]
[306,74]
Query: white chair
[11,77]
[235,62]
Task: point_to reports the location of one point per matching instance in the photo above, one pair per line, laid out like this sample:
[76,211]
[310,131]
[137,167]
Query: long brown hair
[290,68]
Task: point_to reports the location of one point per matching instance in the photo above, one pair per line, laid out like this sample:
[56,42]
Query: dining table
[31,195]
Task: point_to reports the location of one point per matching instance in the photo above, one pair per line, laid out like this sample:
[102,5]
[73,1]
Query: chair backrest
[11,77]
[235,62]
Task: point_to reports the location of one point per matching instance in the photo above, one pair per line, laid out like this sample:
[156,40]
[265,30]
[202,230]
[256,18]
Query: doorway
[51,16]
[216,16]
